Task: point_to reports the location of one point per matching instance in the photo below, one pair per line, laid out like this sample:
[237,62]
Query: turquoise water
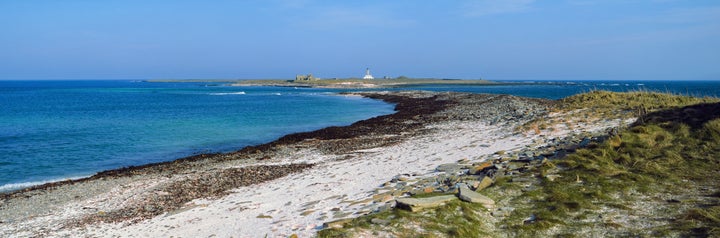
[51,130]
[551,89]
[54,130]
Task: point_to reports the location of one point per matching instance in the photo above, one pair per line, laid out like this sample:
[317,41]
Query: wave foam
[17,186]
[233,93]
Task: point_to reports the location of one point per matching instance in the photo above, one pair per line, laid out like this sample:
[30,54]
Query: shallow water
[51,130]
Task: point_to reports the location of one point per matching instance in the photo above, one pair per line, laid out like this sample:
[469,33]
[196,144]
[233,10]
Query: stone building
[302,77]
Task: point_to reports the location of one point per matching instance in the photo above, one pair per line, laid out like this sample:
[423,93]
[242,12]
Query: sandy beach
[293,185]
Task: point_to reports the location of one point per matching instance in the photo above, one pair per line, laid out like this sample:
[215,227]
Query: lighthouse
[367,74]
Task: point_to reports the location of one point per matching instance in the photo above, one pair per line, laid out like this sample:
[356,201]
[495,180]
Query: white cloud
[492,7]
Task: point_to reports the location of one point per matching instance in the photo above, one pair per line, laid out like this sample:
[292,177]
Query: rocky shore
[300,183]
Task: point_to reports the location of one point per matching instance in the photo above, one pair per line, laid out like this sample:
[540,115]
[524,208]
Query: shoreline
[124,200]
[121,171]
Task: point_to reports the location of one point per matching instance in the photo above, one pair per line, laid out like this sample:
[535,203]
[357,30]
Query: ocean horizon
[53,130]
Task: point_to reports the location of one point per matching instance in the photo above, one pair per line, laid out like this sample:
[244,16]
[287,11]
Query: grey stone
[468,195]
[379,221]
[416,204]
[450,168]
[337,223]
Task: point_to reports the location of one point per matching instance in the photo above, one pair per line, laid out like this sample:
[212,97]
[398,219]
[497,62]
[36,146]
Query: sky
[468,39]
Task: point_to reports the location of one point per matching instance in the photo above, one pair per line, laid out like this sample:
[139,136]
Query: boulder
[468,195]
[416,204]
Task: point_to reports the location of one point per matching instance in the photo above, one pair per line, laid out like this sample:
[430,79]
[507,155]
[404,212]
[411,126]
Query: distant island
[310,81]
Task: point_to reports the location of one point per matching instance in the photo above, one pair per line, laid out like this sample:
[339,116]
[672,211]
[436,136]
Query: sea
[52,130]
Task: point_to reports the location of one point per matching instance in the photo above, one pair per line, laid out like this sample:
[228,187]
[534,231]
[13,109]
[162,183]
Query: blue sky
[491,39]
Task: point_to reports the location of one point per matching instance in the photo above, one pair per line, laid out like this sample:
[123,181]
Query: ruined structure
[302,77]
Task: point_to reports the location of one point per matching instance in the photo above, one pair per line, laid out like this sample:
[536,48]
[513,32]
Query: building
[301,77]
[367,74]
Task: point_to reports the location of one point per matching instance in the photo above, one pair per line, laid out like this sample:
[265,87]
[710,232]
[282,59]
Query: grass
[657,177]
[456,219]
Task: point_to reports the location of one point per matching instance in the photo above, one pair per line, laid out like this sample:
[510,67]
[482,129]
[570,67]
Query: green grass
[456,219]
[630,100]
[660,157]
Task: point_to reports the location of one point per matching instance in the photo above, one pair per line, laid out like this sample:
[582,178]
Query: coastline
[446,126]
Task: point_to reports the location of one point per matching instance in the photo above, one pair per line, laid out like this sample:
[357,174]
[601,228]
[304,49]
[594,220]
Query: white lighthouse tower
[367,74]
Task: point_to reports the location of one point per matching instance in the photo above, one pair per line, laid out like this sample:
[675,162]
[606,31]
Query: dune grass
[455,219]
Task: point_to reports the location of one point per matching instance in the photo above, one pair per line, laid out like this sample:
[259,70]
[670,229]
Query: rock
[468,195]
[479,168]
[530,220]
[416,204]
[502,212]
[337,223]
[450,168]
[484,183]
[424,190]
[387,206]
[384,197]
[379,221]
[552,177]
[674,200]
[585,142]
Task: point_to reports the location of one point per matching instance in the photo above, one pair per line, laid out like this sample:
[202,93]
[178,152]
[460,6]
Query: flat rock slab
[416,204]
[468,195]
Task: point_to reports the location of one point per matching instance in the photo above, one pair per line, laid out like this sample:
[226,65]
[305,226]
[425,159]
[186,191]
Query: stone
[552,177]
[416,204]
[479,168]
[468,195]
[384,197]
[337,223]
[502,212]
[451,168]
[379,221]
[585,142]
[484,183]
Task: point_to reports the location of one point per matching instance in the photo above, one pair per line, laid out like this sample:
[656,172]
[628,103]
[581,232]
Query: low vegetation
[657,177]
